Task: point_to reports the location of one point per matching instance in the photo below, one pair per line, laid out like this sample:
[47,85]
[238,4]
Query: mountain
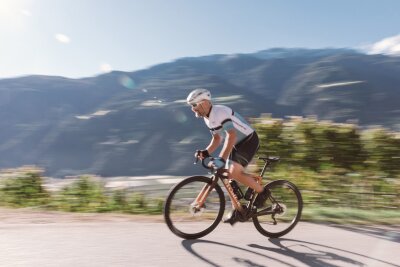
[136,123]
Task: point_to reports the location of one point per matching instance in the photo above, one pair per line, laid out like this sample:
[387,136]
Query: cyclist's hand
[217,163]
[201,154]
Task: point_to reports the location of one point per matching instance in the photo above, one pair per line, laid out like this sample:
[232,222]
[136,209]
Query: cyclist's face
[201,108]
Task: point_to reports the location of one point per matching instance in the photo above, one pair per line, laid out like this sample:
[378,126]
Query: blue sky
[84,38]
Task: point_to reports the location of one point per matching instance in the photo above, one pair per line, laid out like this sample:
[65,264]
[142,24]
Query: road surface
[58,239]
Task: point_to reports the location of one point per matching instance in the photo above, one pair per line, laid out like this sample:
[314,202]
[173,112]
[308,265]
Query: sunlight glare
[62,38]
[26,12]
[13,14]
[105,67]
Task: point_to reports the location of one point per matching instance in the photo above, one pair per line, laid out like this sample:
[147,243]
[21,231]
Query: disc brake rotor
[280,209]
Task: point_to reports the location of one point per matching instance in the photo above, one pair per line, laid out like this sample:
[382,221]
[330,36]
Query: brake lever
[197,157]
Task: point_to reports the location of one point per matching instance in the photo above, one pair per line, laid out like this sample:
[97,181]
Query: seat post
[268,160]
[264,168]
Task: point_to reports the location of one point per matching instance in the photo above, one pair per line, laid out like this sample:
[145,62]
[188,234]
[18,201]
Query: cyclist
[240,145]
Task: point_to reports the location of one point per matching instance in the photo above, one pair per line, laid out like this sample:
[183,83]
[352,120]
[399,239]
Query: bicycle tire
[279,198]
[191,233]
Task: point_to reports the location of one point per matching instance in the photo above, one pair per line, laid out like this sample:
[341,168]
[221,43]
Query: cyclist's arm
[214,144]
[230,141]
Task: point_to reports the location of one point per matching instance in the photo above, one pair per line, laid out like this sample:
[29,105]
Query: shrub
[84,195]
[24,190]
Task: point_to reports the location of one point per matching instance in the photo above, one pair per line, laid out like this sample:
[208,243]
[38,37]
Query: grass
[350,215]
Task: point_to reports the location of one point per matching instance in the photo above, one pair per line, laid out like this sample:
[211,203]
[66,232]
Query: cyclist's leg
[241,156]
[249,180]
[237,172]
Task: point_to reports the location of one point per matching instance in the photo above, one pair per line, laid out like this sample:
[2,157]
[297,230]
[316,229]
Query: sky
[85,38]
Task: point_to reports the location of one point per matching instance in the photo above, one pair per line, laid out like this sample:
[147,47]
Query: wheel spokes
[281,210]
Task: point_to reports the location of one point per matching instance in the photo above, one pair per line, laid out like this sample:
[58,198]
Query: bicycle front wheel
[185,216]
[281,211]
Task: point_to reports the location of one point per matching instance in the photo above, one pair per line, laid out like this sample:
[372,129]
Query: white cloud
[389,46]
[83,117]
[327,85]
[105,67]
[101,112]
[153,103]
[97,113]
[62,38]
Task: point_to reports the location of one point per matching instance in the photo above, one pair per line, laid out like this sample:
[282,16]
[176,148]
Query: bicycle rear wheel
[184,217]
[281,211]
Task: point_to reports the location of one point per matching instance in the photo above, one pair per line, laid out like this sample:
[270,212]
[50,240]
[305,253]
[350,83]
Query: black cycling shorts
[244,151]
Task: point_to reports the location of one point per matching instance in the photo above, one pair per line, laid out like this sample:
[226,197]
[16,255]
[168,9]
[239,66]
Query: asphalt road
[145,243]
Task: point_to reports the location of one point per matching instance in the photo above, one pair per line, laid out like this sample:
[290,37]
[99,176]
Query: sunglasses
[195,104]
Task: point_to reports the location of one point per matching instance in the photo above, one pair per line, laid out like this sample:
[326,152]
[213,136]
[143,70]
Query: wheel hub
[195,209]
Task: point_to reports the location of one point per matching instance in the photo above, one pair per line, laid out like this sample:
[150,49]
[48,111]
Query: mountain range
[137,123]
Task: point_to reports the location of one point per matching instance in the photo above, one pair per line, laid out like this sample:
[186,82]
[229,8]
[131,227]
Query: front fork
[205,191]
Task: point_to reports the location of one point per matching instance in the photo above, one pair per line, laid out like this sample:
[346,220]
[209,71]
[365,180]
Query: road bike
[195,206]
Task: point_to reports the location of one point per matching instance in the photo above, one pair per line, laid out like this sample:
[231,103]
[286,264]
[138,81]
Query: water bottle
[236,189]
[248,193]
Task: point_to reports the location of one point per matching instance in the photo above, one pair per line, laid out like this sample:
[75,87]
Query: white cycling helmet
[198,95]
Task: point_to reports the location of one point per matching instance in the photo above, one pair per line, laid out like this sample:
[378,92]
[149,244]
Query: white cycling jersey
[222,118]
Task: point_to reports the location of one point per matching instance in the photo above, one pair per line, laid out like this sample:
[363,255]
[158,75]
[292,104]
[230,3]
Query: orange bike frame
[205,191]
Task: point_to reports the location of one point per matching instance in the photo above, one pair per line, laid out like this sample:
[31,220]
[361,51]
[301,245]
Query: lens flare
[127,82]
[180,117]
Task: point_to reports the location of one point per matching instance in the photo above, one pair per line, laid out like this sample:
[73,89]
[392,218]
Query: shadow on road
[314,254]
[389,233]
[188,245]
[311,254]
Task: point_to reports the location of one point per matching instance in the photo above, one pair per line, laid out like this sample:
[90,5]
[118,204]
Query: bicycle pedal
[231,221]
[232,218]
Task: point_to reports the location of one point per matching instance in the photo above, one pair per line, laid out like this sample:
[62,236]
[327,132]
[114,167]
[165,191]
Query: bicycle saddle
[272,159]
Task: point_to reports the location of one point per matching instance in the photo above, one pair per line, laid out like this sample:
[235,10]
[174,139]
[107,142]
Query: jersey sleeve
[222,121]
[226,119]
[228,125]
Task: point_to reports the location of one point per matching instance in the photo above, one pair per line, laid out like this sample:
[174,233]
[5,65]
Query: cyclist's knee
[236,169]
